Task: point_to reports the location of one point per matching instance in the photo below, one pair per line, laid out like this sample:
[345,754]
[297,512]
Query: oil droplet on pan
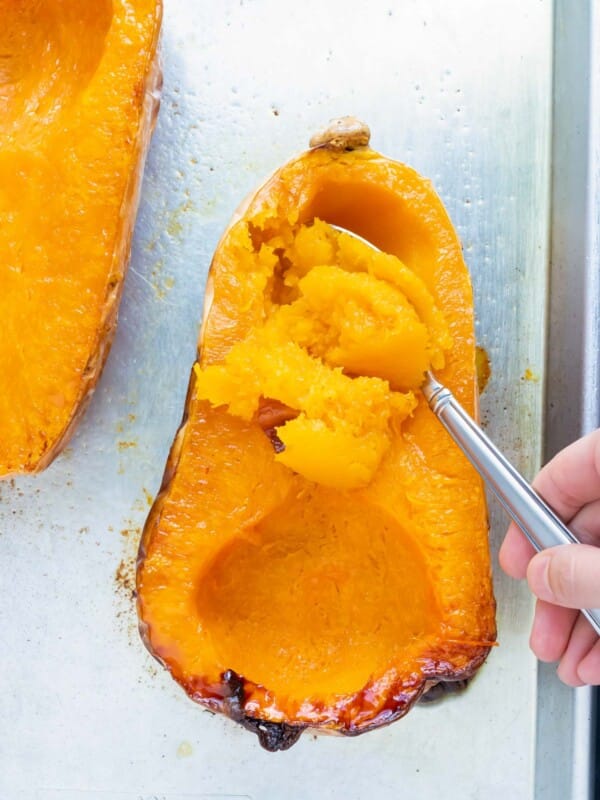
[184,750]
[484,369]
[530,375]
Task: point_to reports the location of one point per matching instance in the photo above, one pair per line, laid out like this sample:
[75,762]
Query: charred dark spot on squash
[235,695]
[439,691]
[272,736]
[278,445]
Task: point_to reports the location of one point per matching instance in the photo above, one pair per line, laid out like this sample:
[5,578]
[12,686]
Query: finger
[582,640]
[567,575]
[515,553]
[551,630]
[572,478]
[588,670]
[570,483]
[586,523]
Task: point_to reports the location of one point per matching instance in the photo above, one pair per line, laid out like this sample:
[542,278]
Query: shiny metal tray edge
[566,718]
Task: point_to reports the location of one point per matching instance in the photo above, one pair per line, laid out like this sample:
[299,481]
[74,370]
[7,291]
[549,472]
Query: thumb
[568,575]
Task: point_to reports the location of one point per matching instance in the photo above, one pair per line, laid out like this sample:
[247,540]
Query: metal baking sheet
[463,92]
[565,721]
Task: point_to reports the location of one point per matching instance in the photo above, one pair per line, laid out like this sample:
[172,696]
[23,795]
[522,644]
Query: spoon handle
[533,516]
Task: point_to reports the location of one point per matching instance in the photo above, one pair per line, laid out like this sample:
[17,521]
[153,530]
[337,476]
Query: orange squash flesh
[78,99]
[284,603]
[347,336]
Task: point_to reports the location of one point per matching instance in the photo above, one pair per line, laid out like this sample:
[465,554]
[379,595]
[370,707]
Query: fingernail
[538,576]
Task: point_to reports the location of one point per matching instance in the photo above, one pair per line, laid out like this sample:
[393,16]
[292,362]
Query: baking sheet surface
[462,92]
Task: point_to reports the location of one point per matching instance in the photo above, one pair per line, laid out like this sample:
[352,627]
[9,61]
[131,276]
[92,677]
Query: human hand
[565,578]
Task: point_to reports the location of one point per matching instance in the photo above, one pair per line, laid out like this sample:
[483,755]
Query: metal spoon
[533,516]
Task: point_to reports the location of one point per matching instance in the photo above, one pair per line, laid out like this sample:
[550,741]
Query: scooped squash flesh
[79,88]
[352,317]
[288,592]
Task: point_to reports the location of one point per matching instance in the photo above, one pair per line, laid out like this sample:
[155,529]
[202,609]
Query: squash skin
[117,102]
[389,696]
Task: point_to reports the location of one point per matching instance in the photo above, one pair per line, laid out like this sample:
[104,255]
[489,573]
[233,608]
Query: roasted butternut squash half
[79,86]
[318,554]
